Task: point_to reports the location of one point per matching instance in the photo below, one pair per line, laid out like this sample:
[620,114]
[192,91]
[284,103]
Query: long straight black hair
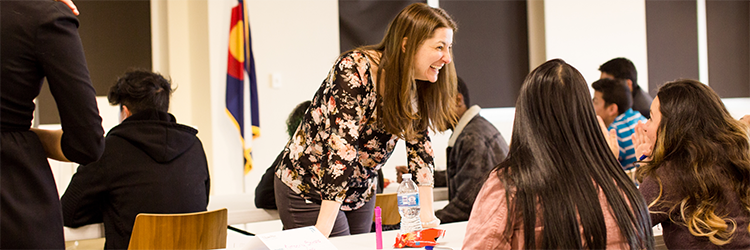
[559,161]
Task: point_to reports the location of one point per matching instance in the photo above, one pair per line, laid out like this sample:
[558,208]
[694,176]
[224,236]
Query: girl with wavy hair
[372,97]
[561,186]
[696,176]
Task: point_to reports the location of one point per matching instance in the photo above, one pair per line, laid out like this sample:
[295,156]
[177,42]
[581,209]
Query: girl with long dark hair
[560,187]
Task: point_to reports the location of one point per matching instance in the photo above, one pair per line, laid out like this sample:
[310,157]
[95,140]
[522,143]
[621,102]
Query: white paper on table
[305,238]
[252,244]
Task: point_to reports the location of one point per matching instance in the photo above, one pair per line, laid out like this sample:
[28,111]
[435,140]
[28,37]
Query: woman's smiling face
[433,54]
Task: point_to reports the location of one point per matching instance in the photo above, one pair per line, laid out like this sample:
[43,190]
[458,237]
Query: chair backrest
[388,204]
[201,230]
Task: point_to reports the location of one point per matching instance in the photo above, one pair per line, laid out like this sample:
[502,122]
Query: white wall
[587,33]
[737,107]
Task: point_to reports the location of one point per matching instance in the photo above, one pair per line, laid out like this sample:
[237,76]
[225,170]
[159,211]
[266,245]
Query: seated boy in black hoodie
[151,164]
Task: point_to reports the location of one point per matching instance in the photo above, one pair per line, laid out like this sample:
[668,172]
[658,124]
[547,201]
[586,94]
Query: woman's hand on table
[430,223]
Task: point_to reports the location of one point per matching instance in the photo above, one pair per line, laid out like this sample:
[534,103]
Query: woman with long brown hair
[372,97]
[561,186]
[696,176]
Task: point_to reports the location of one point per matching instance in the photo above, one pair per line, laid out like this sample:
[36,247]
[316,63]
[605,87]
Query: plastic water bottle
[408,205]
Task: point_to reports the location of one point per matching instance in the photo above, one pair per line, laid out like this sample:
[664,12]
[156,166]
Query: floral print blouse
[338,148]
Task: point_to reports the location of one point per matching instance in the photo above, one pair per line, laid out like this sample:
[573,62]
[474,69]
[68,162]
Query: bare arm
[51,142]
[427,213]
[327,216]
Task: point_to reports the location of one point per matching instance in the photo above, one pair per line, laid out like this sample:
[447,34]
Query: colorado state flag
[240,62]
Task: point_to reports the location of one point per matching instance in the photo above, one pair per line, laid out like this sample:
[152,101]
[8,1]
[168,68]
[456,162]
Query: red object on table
[422,238]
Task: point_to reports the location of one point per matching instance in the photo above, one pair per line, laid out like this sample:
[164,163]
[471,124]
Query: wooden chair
[388,204]
[201,230]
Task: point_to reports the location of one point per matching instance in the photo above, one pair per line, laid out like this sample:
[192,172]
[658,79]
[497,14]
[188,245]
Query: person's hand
[432,223]
[399,171]
[71,5]
[746,120]
[643,145]
[610,136]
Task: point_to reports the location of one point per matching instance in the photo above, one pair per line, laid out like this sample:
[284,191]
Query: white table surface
[453,239]
[241,210]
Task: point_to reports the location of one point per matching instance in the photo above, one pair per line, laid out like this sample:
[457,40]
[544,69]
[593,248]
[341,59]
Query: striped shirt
[624,124]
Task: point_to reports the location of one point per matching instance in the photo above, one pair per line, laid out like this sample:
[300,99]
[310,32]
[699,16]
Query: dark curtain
[672,45]
[728,28]
[363,22]
[116,35]
[491,48]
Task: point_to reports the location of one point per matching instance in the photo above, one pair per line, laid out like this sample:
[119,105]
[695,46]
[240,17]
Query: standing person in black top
[40,39]
[151,164]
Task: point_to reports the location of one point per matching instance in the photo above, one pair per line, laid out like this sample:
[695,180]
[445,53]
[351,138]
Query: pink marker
[378,229]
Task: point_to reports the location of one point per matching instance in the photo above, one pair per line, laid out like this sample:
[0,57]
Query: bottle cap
[406,176]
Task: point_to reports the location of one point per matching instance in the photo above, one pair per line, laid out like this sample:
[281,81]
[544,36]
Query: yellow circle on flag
[236,42]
